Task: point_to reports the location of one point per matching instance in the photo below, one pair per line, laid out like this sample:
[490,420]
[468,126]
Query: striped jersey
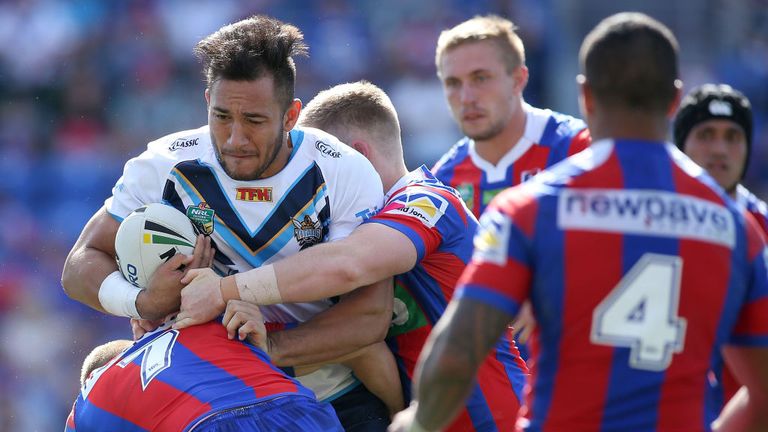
[325,190]
[171,380]
[440,226]
[759,210]
[639,269]
[549,137]
[755,206]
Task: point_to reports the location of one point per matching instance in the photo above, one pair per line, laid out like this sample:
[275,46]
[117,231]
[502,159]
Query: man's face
[720,147]
[248,127]
[480,91]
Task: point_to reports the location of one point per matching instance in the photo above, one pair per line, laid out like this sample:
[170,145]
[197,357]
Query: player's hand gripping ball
[150,236]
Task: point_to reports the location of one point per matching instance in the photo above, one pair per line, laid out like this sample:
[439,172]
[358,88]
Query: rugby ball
[150,236]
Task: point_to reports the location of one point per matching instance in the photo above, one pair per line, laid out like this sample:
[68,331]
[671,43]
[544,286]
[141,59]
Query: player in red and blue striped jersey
[422,237]
[481,63]
[641,271]
[714,128]
[195,379]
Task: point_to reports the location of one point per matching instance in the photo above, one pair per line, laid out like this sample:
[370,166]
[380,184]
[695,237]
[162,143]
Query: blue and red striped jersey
[639,269]
[759,210]
[440,226]
[755,206]
[549,137]
[172,379]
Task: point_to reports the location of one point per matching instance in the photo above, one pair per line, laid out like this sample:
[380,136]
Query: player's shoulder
[457,153]
[327,150]
[552,128]
[182,143]
[751,201]
[421,180]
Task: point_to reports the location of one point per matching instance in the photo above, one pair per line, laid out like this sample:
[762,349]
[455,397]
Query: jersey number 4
[640,313]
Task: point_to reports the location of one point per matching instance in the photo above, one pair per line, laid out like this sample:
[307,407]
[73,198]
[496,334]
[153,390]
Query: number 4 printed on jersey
[640,313]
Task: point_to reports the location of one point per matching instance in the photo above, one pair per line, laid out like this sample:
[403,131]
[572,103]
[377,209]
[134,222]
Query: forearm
[326,270]
[449,361]
[360,319]
[741,413]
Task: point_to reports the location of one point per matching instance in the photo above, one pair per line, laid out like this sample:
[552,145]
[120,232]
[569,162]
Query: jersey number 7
[641,313]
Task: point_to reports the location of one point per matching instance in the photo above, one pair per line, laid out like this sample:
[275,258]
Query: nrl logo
[307,231]
[201,216]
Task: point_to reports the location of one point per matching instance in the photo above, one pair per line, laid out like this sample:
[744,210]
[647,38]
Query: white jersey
[324,192]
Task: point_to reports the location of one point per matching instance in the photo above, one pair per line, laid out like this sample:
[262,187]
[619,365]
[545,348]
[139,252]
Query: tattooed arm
[450,359]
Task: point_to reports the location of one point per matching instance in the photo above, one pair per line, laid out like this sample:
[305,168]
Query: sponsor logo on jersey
[327,150]
[406,312]
[490,194]
[183,143]
[720,108]
[492,238]
[424,206]
[308,232]
[467,192]
[255,194]
[652,213]
[201,216]
[367,213]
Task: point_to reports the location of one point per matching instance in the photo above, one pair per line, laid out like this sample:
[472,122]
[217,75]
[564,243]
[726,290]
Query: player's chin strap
[118,296]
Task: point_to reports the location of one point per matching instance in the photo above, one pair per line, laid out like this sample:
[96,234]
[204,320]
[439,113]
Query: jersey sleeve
[144,176]
[355,192]
[69,426]
[500,271]
[141,183]
[425,215]
[752,325]
[579,142]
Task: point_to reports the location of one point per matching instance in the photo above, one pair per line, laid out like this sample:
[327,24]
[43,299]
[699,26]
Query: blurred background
[85,84]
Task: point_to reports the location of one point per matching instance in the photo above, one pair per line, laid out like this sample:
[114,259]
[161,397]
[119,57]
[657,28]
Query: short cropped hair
[251,48]
[101,355]
[630,60]
[493,28]
[359,105]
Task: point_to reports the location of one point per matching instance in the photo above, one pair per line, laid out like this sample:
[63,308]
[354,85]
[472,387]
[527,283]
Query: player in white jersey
[259,189]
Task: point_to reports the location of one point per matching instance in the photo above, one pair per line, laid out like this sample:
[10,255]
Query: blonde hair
[101,355]
[359,106]
[494,28]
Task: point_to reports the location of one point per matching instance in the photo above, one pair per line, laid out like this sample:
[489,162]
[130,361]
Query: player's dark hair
[251,48]
[630,61]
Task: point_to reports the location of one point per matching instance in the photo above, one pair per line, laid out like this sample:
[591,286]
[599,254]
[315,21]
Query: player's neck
[391,175]
[626,124]
[494,148]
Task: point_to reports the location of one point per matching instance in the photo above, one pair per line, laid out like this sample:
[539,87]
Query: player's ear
[520,75]
[676,101]
[291,115]
[362,147]
[207,97]
[586,100]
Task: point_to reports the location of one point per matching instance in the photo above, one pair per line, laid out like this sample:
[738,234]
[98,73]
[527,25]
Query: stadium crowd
[88,83]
